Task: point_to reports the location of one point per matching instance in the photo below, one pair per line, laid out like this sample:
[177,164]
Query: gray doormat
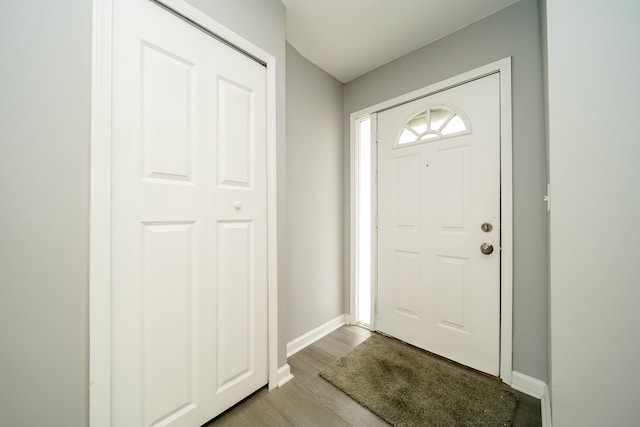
[408,387]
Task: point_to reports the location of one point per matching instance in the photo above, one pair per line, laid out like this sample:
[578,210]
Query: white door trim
[100,202]
[503,67]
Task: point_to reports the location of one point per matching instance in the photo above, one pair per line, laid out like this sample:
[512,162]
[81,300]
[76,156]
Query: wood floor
[309,400]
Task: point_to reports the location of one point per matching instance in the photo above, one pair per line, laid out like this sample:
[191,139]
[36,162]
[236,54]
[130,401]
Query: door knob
[486,248]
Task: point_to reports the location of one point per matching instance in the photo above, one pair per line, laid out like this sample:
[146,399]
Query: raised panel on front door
[452,280]
[235,137]
[235,302]
[168,341]
[454,194]
[407,171]
[166,105]
[407,275]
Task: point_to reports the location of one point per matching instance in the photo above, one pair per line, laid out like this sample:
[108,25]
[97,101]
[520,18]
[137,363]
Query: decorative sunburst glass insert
[434,123]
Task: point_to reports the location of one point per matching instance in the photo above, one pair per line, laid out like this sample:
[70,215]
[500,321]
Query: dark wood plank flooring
[308,400]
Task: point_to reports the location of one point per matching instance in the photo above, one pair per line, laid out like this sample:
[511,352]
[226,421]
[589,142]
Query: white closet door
[189,261]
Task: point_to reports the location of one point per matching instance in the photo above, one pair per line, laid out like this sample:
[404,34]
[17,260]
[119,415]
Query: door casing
[503,67]
[100,202]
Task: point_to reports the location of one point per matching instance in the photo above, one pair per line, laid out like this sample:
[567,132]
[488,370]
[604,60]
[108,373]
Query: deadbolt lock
[486,227]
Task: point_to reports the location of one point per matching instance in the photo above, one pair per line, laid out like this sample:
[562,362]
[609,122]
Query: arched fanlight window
[436,122]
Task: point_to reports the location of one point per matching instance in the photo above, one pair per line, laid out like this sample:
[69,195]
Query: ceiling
[348,38]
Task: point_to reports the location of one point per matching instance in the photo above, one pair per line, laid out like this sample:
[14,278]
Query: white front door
[189,239]
[438,183]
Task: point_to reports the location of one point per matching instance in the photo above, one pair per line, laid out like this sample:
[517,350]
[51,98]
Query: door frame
[503,68]
[100,199]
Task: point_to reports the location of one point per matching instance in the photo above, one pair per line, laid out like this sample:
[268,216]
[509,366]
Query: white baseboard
[535,388]
[545,406]
[528,385]
[284,375]
[310,337]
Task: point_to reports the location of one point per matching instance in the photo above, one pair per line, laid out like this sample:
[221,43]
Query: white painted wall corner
[310,337]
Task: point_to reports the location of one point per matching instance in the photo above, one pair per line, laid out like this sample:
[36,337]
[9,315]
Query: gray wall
[515,32]
[594,64]
[44,193]
[314,196]
[44,196]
